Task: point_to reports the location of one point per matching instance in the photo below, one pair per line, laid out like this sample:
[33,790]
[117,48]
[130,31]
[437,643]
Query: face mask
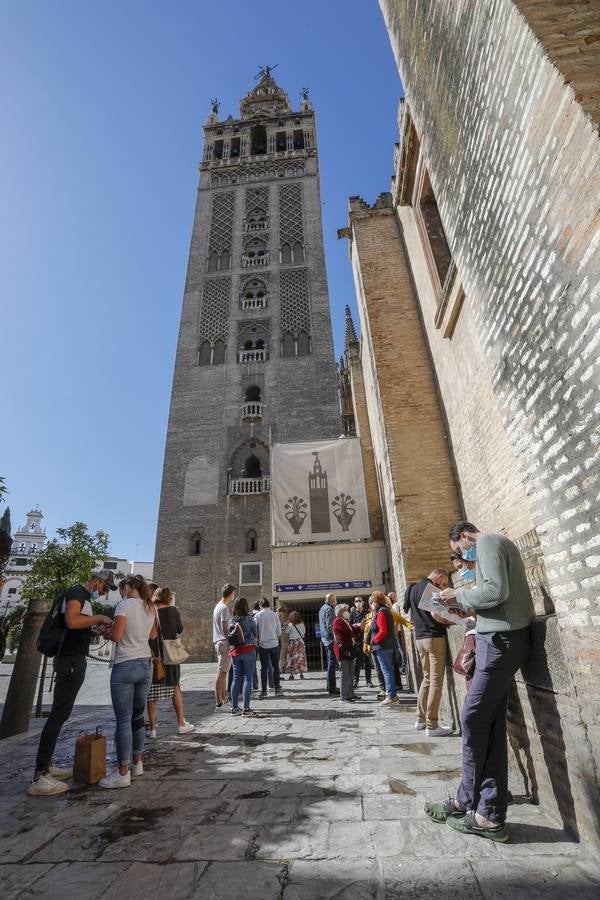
[469,554]
[467,574]
[346,615]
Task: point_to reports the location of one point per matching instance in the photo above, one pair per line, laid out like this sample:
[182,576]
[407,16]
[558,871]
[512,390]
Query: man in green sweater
[502,602]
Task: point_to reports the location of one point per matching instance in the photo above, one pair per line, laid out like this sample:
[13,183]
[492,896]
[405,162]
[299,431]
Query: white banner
[318,492]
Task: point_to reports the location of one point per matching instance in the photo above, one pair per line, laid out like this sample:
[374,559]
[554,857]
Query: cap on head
[107,577]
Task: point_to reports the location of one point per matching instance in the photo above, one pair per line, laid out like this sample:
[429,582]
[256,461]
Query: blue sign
[323,586]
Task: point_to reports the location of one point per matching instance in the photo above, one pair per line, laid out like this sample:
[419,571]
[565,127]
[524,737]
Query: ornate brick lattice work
[294,301]
[257,200]
[214,314]
[292,169]
[291,226]
[221,223]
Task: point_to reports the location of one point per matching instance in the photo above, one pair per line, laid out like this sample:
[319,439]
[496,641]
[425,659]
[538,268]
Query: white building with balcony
[28,540]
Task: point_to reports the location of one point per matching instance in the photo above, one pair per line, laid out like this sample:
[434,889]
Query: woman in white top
[296,654]
[134,624]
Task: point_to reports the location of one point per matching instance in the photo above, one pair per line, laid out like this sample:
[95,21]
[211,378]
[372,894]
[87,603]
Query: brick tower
[255,359]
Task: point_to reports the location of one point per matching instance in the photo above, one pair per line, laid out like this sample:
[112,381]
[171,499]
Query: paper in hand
[431,601]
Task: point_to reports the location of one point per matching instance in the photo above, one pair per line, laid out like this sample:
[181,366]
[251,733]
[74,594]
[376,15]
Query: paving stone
[328,880]
[303,841]
[232,881]
[178,881]
[558,878]
[83,881]
[207,842]
[438,879]
[16,878]
[26,840]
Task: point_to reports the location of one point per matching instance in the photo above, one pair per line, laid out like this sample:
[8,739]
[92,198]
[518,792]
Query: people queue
[143,619]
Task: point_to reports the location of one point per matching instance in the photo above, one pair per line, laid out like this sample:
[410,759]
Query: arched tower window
[213,261]
[298,252]
[218,352]
[204,354]
[253,394]
[255,248]
[287,345]
[259,139]
[303,344]
[286,253]
[196,544]
[251,541]
[252,467]
[225,261]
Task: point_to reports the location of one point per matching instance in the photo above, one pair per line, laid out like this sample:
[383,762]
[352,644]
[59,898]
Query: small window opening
[235,147]
[281,141]
[252,468]
[251,541]
[259,139]
[218,150]
[298,140]
[253,394]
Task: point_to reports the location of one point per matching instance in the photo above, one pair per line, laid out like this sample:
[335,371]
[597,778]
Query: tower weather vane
[265,71]
[214,105]
[304,92]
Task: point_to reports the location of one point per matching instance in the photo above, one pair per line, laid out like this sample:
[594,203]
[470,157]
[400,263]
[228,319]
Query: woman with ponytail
[134,624]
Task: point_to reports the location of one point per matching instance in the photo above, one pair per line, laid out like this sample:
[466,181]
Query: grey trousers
[347,671]
[484,785]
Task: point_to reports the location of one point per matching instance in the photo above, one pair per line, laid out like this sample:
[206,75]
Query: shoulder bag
[159,673]
[174,652]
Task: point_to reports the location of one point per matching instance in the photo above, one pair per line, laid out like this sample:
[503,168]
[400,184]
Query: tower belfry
[254,360]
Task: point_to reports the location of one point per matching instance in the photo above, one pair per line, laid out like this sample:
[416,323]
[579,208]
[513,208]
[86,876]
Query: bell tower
[255,360]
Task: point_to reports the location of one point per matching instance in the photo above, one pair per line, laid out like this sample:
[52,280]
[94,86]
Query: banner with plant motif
[318,492]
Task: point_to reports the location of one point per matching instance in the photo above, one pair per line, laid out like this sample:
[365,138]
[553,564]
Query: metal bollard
[23,681]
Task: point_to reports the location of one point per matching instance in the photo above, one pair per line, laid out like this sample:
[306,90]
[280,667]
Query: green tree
[3,489]
[5,540]
[68,559]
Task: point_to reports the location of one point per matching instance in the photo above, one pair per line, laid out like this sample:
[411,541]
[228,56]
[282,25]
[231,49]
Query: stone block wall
[504,101]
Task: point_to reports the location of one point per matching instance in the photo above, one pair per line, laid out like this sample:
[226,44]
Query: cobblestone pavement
[315,799]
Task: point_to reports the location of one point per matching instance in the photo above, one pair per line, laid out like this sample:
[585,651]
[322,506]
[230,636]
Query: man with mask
[77,617]
[502,600]
[326,617]
[430,635]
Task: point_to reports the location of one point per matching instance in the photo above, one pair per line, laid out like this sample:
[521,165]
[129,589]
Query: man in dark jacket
[430,635]
[326,617]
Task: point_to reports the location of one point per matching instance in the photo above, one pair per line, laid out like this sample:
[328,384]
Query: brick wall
[513,155]
[415,473]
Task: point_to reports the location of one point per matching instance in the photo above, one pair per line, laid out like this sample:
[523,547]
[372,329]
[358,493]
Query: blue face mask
[467,575]
[469,555]
[94,595]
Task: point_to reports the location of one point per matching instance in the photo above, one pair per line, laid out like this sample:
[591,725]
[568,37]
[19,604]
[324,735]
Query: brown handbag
[159,673]
[464,663]
[89,765]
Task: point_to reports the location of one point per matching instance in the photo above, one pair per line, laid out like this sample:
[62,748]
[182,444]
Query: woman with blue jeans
[383,643]
[134,624]
[243,656]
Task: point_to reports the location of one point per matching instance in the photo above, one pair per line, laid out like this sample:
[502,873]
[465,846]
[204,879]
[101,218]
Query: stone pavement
[316,799]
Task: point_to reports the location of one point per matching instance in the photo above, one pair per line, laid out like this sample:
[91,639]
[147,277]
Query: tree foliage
[68,559]
[5,540]
[3,489]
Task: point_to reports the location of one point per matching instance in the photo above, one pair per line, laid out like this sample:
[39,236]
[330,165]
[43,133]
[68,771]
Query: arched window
[303,344]
[251,541]
[286,254]
[287,345]
[213,261]
[224,260]
[258,217]
[252,467]
[196,544]
[260,344]
[204,354]
[256,248]
[253,394]
[298,252]
[218,352]
[248,345]
[259,139]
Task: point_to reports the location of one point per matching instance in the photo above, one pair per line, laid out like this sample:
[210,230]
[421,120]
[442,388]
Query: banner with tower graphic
[318,492]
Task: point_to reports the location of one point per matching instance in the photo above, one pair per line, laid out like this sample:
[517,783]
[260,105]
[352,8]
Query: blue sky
[102,107]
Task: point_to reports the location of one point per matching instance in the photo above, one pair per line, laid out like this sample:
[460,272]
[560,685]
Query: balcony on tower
[253,342]
[245,486]
[256,221]
[252,411]
[251,479]
[255,253]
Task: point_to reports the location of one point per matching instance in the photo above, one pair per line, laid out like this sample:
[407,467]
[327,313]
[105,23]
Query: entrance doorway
[310,616]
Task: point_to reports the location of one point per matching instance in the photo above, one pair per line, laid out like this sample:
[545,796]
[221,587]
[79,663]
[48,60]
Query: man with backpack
[72,619]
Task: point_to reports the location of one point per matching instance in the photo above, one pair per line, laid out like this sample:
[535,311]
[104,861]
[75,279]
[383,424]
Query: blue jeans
[243,670]
[269,655]
[331,666]
[129,685]
[269,673]
[386,661]
[484,786]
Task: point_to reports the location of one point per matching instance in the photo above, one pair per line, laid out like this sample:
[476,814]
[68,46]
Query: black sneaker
[263,695]
[250,713]
[335,693]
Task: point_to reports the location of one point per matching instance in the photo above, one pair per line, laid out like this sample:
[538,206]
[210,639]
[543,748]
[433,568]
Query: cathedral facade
[255,361]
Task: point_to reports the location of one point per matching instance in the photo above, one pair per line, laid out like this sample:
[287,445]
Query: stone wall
[512,151]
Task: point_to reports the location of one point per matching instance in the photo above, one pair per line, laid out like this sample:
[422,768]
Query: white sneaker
[60,774]
[137,769]
[152,733]
[46,786]
[419,726]
[186,728]
[440,731]
[116,780]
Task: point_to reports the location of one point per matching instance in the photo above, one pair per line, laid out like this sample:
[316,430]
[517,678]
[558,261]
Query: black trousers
[267,654]
[70,675]
[362,659]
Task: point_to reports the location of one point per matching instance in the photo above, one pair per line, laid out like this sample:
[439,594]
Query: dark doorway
[315,654]
[259,139]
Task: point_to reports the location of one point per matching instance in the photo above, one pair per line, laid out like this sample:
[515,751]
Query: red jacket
[343,634]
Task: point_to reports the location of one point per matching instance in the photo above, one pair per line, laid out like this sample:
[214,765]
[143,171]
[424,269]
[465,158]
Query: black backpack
[53,631]
[235,635]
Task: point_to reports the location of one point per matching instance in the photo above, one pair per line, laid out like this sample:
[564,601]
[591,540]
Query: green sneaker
[468,825]
[442,810]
